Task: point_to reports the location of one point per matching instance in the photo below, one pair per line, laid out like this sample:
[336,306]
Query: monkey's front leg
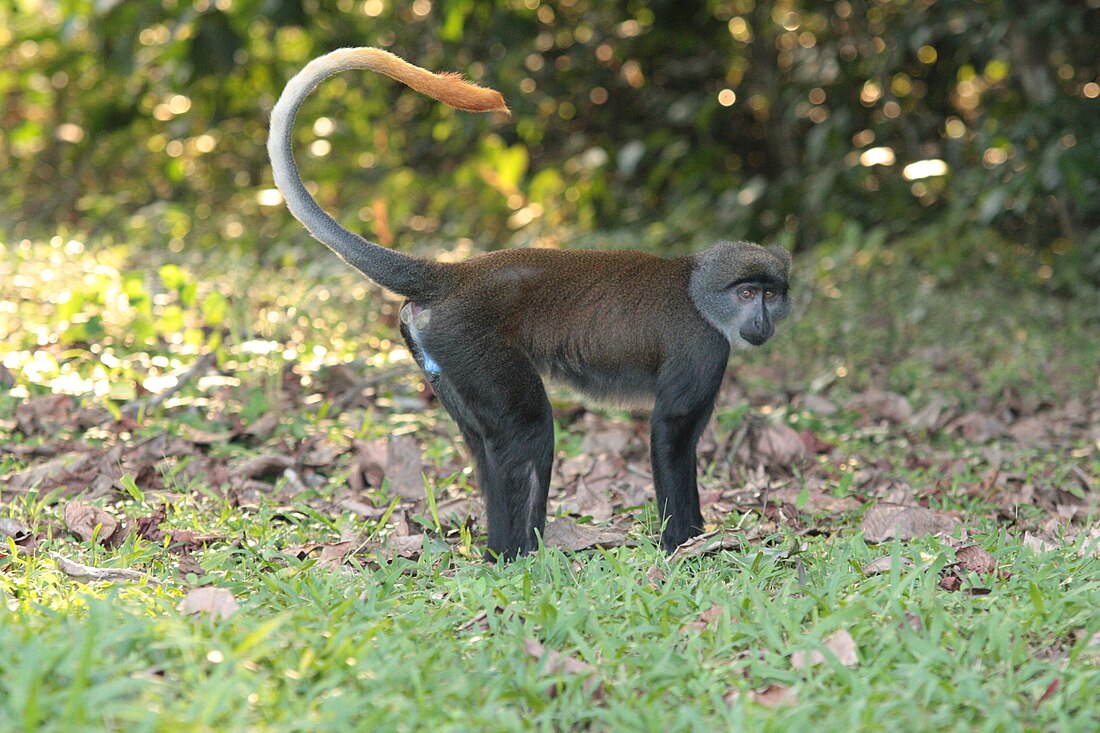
[679,416]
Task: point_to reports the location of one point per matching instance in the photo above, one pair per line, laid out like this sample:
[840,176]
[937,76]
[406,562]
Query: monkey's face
[758,306]
[741,289]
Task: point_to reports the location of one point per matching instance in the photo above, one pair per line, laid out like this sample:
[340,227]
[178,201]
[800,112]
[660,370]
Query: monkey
[619,325]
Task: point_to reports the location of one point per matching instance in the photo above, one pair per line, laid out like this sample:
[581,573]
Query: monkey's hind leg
[503,412]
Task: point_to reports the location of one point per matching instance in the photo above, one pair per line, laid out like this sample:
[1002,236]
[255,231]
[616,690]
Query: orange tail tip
[448,87]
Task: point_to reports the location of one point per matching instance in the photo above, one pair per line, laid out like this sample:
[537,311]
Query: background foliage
[795,119]
[194,393]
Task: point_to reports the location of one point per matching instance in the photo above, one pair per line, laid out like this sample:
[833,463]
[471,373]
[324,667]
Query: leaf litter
[784,475]
[873,452]
[89,522]
[215,604]
[556,664]
[89,574]
[884,522]
[839,643]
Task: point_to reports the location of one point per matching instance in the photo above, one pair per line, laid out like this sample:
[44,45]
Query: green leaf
[214,309]
[173,277]
[130,487]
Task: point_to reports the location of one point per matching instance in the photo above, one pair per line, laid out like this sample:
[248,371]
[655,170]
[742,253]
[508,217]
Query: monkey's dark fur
[618,325]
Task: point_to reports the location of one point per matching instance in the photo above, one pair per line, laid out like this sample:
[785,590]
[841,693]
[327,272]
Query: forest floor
[229,503]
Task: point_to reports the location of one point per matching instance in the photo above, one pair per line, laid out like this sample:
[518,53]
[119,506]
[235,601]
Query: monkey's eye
[746,293]
[771,294]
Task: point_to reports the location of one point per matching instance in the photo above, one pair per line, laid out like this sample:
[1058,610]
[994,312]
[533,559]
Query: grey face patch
[417,319]
[718,269]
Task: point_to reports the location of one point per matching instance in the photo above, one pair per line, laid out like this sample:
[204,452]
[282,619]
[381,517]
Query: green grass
[438,643]
[386,649]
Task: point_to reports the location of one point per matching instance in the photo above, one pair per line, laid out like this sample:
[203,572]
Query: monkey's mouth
[754,339]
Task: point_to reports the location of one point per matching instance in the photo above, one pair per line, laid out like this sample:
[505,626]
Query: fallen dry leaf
[1039,544]
[337,379]
[369,467]
[655,575]
[188,565]
[301,552]
[774,696]
[1090,545]
[332,555]
[887,489]
[262,428]
[148,527]
[479,622]
[978,427]
[1033,430]
[265,464]
[74,467]
[556,663]
[571,469]
[565,534]
[43,415]
[14,529]
[843,646]
[592,496]
[932,417]
[892,521]
[951,583]
[89,574]
[813,443]
[879,405]
[603,437]
[802,660]
[971,558]
[98,471]
[707,543]
[29,545]
[180,540]
[767,444]
[785,515]
[1049,691]
[817,404]
[974,559]
[200,436]
[707,619]
[1092,646]
[814,500]
[82,520]
[322,453]
[408,546]
[184,540]
[840,643]
[120,534]
[361,508]
[404,467]
[216,603]
[884,564]
[461,510]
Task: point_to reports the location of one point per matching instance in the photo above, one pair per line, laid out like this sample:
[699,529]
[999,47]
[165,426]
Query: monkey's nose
[756,336]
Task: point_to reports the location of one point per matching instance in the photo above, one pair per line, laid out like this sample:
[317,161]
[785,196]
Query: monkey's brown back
[604,321]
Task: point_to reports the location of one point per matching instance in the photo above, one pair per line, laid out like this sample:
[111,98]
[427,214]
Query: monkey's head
[740,288]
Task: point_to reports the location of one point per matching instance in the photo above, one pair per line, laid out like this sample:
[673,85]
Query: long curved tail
[409,276]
